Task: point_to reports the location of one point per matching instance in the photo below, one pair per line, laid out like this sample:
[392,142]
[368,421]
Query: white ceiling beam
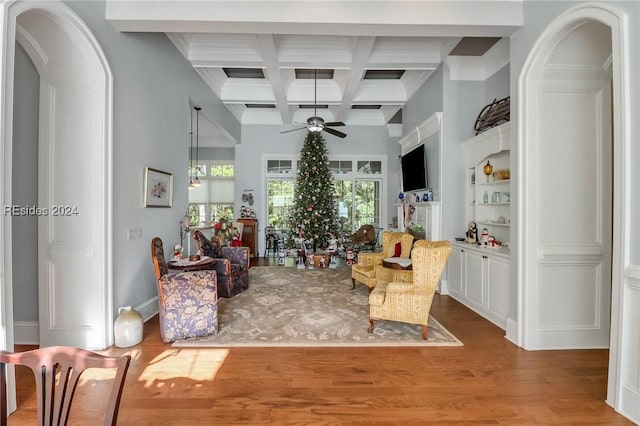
[362,47]
[272,71]
[343,17]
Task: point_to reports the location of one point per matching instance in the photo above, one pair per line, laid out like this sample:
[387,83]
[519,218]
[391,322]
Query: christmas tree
[314,215]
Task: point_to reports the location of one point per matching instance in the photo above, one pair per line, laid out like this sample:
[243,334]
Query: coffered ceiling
[259,57]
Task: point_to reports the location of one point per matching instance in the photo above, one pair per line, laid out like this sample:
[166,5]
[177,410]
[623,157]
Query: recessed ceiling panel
[474,46]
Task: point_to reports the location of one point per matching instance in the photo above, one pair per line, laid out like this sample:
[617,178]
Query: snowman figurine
[484,237]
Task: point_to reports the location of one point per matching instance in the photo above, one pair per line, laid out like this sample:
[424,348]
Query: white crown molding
[479,68]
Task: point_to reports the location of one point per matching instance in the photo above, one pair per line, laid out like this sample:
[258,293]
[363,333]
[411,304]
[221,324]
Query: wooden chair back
[54,397]
[157,255]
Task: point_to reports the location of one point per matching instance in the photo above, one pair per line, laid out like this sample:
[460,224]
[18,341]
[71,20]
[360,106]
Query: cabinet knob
[485,257]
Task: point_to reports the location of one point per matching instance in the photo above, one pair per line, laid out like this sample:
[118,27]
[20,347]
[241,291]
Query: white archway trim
[73,25]
[550,37]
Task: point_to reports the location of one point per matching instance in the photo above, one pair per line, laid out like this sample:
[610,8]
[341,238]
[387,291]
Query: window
[214,197]
[357,187]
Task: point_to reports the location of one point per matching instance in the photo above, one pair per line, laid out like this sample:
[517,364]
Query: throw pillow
[398,249]
[211,249]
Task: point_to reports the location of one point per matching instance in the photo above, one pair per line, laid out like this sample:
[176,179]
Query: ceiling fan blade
[293,130]
[335,123]
[334,132]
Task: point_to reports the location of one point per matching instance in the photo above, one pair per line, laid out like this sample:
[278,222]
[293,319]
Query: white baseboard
[28,332]
[148,309]
[630,404]
[444,288]
[512,331]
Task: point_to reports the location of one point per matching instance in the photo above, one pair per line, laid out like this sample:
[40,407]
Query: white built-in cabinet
[480,280]
[477,276]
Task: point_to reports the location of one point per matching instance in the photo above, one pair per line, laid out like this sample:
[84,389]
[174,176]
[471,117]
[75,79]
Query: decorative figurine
[332,249]
[281,256]
[472,233]
[350,256]
[484,237]
[311,259]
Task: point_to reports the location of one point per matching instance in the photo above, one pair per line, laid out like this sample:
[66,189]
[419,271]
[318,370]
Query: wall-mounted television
[414,170]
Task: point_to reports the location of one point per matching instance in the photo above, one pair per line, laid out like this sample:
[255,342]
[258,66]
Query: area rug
[285,306]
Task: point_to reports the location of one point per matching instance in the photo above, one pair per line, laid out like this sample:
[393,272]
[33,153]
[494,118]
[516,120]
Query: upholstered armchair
[365,270]
[187,301]
[411,301]
[404,275]
[230,263]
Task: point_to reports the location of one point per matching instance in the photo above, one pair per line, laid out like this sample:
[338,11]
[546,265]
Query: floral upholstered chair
[230,263]
[188,301]
[394,244]
[411,301]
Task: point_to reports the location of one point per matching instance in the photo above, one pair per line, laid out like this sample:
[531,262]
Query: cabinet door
[475,277]
[455,270]
[498,288]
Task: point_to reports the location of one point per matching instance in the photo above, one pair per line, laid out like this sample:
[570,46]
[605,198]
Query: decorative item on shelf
[430,194]
[484,237]
[485,197]
[495,197]
[416,198]
[501,220]
[401,196]
[473,177]
[502,174]
[487,169]
[506,197]
[425,197]
[472,233]
[127,327]
[247,213]
[497,112]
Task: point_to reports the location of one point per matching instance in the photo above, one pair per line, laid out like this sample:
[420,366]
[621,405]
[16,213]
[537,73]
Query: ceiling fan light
[315,128]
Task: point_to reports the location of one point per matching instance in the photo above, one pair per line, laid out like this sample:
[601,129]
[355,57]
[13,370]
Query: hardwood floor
[487,381]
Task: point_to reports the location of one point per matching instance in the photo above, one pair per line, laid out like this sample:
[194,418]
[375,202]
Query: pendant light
[191,186]
[196,180]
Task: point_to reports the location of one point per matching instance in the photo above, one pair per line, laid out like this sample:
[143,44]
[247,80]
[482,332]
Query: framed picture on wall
[158,188]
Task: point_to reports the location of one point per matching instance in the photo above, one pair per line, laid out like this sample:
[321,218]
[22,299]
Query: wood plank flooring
[488,381]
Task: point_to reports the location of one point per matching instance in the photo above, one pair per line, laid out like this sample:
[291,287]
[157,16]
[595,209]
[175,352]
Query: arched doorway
[572,138]
[74,184]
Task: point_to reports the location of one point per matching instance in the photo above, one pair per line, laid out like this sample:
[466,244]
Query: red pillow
[397,250]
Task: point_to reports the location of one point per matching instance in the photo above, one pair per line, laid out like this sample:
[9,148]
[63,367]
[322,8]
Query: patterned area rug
[291,307]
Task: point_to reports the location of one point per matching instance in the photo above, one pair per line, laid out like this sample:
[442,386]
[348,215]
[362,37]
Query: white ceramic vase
[128,327]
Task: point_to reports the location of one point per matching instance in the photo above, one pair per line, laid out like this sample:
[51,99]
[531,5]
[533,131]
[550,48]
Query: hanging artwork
[158,188]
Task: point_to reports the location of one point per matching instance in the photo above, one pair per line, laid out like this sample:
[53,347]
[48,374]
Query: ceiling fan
[315,123]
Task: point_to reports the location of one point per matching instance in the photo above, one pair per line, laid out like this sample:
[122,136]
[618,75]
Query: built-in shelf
[494,224]
[493,182]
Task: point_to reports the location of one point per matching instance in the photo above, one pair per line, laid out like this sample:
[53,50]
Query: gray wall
[25,187]
[153,85]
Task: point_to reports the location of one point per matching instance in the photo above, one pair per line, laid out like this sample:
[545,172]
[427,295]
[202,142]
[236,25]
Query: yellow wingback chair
[411,301]
[404,275]
[365,270]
